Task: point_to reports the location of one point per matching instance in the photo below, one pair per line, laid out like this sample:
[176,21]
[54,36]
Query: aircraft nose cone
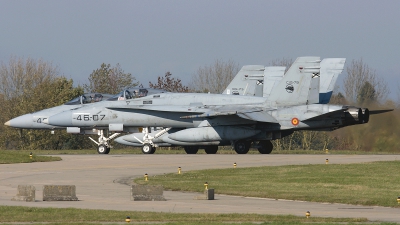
[24,121]
[63,119]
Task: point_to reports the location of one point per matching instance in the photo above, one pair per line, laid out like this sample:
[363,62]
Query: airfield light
[234,165]
[179,170]
[128,219]
[30,155]
[206,186]
[398,200]
[308,214]
[326,151]
[326,161]
[145,177]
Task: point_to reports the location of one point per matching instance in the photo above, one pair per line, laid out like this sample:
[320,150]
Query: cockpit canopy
[88,98]
[135,93]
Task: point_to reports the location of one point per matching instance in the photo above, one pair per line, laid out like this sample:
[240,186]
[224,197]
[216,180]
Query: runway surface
[98,184]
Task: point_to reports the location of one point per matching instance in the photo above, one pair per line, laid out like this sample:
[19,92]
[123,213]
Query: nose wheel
[103,149]
[103,146]
[148,149]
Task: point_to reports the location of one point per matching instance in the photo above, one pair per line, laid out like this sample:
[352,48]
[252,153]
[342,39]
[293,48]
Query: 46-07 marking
[88,118]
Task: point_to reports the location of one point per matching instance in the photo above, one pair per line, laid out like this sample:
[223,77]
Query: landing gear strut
[103,146]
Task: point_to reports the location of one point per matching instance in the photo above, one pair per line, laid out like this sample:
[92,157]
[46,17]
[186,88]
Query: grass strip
[370,184]
[17,214]
[9,156]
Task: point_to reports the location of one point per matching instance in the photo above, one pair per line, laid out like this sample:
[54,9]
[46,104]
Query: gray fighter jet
[37,120]
[195,120]
[253,80]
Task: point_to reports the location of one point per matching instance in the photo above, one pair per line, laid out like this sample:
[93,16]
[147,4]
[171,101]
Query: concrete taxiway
[100,179]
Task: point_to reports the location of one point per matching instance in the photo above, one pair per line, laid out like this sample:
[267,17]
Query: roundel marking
[295,121]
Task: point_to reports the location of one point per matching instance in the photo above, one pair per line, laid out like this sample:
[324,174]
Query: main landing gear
[243,147]
[103,146]
[193,149]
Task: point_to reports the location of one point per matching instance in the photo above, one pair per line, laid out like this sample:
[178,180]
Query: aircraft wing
[162,108]
[244,111]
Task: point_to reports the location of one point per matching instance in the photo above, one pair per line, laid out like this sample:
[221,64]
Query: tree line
[29,85]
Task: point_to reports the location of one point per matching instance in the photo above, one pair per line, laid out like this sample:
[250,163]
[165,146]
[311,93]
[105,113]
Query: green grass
[18,214]
[368,184]
[9,156]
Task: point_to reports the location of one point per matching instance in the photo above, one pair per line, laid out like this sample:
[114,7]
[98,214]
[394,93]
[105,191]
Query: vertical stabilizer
[247,81]
[272,76]
[331,68]
[294,88]
[313,93]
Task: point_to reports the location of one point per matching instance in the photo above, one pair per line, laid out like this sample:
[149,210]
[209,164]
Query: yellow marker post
[398,200]
[326,161]
[30,155]
[326,151]
[308,214]
[179,170]
[234,165]
[206,186]
[145,177]
[128,219]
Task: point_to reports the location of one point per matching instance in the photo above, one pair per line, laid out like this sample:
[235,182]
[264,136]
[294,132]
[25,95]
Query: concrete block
[59,193]
[25,193]
[208,195]
[147,193]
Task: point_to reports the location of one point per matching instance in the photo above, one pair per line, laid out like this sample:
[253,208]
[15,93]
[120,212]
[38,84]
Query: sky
[148,38]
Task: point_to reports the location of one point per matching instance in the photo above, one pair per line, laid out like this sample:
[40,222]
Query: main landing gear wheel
[102,149]
[212,149]
[242,147]
[191,149]
[148,149]
[265,147]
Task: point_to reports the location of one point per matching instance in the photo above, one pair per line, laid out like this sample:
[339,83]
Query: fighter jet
[195,119]
[37,120]
[252,80]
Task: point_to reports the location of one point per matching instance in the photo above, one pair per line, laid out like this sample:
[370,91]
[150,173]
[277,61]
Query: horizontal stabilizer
[373,112]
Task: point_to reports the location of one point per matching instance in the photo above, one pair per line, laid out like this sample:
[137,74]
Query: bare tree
[214,78]
[27,86]
[282,62]
[361,77]
[169,83]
